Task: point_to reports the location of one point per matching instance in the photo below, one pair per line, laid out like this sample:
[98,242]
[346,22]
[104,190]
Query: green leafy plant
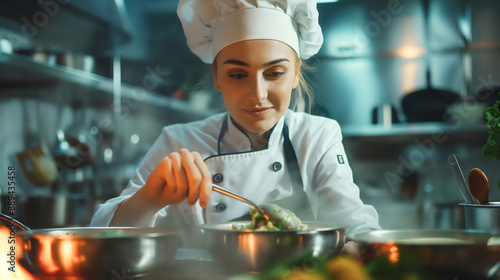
[491,149]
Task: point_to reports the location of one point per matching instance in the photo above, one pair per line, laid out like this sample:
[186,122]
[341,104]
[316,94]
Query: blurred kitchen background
[86,86]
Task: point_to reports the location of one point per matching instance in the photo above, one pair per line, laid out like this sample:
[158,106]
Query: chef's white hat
[211,25]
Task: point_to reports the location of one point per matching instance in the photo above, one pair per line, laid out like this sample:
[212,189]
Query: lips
[257,112]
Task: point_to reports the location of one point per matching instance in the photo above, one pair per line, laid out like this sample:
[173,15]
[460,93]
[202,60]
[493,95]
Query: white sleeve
[106,211]
[338,196]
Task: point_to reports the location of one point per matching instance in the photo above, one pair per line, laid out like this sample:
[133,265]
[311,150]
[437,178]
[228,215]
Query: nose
[257,89]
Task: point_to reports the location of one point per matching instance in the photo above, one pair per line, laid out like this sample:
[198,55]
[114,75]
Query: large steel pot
[254,251]
[98,253]
[451,254]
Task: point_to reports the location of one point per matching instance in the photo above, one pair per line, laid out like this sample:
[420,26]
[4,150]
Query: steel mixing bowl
[99,253]
[254,251]
[449,253]
[482,217]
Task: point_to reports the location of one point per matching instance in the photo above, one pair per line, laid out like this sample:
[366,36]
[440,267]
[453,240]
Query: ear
[298,66]
[216,82]
[296,81]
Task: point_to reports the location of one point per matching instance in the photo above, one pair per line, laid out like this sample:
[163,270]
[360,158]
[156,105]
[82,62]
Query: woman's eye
[275,74]
[237,76]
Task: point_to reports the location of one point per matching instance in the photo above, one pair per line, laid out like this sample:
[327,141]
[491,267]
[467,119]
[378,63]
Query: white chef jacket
[259,175]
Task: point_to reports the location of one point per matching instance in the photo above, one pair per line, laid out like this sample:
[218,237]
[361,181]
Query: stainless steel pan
[446,252]
[254,251]
[97,253]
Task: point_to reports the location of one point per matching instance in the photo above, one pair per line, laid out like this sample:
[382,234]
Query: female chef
[259,148]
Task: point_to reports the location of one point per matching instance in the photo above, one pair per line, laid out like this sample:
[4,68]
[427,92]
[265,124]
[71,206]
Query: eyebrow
[241,63]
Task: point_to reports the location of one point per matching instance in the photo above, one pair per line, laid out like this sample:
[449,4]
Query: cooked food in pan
[279,219]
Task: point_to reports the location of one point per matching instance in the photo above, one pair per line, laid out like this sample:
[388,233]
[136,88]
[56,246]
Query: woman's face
[256,78]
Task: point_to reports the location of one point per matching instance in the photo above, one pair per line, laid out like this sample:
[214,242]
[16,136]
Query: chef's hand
[351,248]
[179,176]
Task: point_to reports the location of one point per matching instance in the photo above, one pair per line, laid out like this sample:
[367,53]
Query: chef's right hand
[179,176]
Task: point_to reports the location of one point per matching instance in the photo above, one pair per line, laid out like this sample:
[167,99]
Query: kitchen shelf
[376,142]
[413,129]
[22,70]
[468,48]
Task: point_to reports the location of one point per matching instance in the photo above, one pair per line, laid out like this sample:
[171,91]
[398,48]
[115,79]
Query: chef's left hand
[351,248]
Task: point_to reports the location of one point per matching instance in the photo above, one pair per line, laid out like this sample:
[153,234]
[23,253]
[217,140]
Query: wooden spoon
[479,186]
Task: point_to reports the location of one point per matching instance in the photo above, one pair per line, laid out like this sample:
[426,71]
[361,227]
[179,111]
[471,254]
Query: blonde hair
[304,92]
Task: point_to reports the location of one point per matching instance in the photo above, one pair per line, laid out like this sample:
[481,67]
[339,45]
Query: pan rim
[319,227]
[88,232]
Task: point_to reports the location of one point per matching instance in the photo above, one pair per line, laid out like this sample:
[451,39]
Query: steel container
[482,217]
[99,253]
[449,254]
[254,251]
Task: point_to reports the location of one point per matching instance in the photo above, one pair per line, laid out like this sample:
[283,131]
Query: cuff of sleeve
[350,235]
[106,212]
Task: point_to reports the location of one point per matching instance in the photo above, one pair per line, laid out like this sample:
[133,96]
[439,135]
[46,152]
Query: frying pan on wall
[428,105]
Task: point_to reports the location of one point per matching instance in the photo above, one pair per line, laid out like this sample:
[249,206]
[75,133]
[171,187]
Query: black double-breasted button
[217,178]
[274,194]
[277,166]
[220,207]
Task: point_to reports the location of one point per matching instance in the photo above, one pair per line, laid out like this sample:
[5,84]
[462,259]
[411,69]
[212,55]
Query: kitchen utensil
[231,194]
[459,176]
[467,112]
[488,95]
[5,46]
[73,148]
[58,57]
[97,253]
[479,186]
[448,253]
[253,251]
[271,212]
[37,165]
[385,115]
[77,61]
[428,104]
[60,209]
[47,56]
[36,161]
[482,217]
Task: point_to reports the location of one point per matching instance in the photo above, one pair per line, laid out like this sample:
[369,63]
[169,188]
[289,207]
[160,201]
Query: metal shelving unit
[24,71]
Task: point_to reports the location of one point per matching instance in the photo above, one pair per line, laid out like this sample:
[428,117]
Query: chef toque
[211,25]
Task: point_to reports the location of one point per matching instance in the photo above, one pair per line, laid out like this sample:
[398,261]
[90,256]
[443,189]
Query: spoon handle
[231,194]
[459,176]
